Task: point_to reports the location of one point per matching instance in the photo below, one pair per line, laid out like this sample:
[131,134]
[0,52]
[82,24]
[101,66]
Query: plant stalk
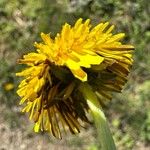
[103,131]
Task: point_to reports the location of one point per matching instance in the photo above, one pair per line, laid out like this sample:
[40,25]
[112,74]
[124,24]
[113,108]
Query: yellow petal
[80,74]
[88,60]
[46,38]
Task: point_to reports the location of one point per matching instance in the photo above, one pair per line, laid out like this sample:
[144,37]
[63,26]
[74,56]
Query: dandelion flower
[50,88]
[8,86]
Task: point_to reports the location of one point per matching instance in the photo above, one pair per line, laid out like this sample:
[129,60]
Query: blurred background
[21,22]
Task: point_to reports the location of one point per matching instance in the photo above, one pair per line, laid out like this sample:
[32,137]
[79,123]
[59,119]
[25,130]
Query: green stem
[104,134]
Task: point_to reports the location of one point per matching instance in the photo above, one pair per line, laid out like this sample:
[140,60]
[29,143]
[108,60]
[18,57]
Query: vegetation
[21,22]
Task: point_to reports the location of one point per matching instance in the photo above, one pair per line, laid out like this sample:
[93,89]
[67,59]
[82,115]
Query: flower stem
[104,134]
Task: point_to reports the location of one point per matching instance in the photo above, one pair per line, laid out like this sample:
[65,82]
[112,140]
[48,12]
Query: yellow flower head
[8,86]
[71,48]
[78,54]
